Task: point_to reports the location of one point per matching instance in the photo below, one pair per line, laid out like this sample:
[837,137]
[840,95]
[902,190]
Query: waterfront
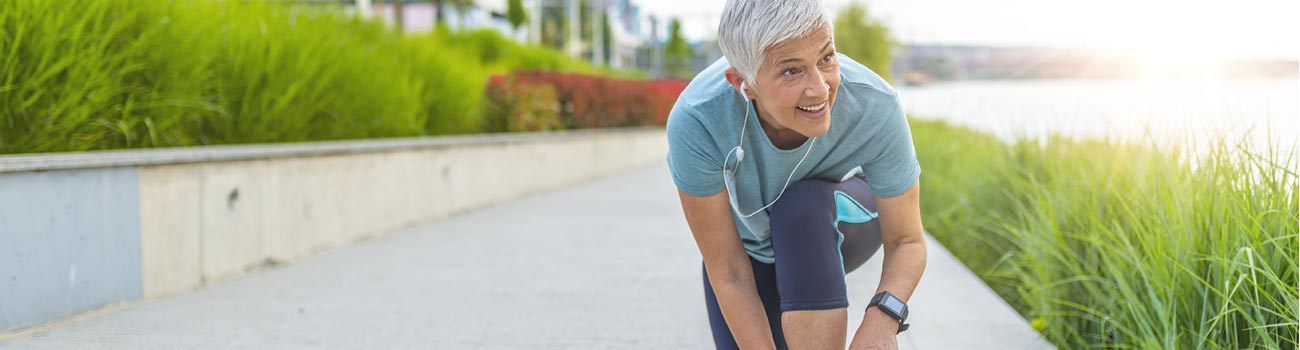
[1123,109]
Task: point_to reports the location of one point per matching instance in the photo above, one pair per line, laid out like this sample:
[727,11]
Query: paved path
[606,265]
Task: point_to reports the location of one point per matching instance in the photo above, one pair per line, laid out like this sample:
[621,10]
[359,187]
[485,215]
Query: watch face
[893,304]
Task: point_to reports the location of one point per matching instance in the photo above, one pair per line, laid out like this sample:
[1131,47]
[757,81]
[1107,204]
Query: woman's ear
[737,82]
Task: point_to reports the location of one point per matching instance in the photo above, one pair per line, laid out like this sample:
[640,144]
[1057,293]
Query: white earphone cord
[741,156]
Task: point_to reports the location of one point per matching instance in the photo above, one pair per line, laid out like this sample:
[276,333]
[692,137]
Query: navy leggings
[811,256]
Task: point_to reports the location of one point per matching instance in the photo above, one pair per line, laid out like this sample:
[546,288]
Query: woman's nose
[818,87]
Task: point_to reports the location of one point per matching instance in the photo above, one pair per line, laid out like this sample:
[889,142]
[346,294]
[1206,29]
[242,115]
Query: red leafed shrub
[583,101]
[665,92]
[520,106]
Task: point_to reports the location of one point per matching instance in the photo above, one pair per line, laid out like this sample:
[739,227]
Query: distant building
[918,64]
[628,26]
[625,22]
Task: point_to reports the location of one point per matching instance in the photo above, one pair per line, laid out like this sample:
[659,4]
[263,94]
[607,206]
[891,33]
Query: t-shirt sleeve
[693,158]
[892,168]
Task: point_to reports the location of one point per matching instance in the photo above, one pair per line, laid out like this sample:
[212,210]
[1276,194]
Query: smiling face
[795,87]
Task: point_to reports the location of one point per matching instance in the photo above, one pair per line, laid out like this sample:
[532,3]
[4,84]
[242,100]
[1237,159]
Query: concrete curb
[178,155]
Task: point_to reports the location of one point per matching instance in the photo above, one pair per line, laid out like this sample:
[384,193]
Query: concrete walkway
[606,265]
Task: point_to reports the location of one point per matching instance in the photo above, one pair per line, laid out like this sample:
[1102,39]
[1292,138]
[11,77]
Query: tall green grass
[1122,245]
[100,74]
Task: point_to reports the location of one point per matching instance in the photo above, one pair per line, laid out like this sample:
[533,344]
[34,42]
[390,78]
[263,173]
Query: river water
[1172,113]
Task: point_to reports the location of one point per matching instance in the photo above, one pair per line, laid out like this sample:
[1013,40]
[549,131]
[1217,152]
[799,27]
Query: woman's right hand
[727,264]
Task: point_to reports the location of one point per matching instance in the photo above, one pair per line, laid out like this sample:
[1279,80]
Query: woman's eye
[791,72]
[829,58]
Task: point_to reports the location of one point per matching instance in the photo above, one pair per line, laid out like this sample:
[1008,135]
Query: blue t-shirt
[868,137]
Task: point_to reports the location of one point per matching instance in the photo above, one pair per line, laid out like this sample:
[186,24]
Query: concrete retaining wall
[79,231]
[69,241]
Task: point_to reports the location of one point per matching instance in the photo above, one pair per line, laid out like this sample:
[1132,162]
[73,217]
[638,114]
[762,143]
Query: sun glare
[1177,40]
[1173,63]
[1189,40]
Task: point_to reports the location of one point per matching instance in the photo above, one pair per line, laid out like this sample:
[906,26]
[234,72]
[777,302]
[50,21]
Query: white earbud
[740,152]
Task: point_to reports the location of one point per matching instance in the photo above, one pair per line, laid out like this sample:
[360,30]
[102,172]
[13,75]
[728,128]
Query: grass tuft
[1122,245]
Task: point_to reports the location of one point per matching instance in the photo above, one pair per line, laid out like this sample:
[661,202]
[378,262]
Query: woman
[794,166]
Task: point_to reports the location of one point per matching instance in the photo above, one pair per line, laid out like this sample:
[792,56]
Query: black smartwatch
[892,306]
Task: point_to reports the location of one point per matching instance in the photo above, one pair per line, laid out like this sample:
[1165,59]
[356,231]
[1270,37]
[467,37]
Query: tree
[439,15]
[585,28]
[677,53]
[515,13]
[462,7]
[864,39]
[398,17]
[606,38]
[554,21]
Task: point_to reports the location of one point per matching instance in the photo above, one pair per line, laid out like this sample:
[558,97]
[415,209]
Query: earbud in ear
[742,91]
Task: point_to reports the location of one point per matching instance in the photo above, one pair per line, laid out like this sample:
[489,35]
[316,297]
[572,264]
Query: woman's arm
[728,266]
[905,256]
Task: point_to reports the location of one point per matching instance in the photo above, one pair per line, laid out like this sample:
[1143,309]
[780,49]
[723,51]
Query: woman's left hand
[877,332]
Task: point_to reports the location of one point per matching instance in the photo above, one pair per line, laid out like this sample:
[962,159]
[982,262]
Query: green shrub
[1110,244]
[102,74]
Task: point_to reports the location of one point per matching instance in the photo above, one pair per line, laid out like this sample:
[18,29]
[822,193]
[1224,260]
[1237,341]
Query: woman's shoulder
[863,81]
[708,88]
[706,100]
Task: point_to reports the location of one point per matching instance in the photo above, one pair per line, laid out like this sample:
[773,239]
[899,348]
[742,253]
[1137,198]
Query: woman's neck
[785,139]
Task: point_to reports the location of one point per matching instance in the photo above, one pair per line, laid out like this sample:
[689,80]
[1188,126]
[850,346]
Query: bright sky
[1157,29]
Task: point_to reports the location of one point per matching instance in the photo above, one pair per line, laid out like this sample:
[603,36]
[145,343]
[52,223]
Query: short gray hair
[749,27]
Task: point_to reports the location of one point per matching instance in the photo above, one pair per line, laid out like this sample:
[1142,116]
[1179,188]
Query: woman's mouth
[814,111]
